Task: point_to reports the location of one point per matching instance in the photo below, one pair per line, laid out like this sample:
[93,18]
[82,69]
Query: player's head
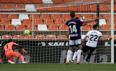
[72,14]
[96,27]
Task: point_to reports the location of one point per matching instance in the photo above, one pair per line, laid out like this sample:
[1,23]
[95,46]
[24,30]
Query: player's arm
[86,21]
[21,47]
[84,40]
[105,38]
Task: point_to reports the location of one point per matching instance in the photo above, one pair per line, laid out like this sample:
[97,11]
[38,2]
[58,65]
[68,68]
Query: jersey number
[93,37]
[73,28]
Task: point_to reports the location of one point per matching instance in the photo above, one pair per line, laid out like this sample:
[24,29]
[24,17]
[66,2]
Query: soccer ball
[26,32]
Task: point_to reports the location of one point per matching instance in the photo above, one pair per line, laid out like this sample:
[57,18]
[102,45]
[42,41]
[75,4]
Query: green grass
[58,67]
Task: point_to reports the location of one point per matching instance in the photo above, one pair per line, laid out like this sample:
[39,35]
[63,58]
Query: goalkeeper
[12,49]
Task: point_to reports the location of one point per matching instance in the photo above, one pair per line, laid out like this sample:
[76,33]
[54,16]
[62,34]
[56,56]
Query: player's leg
[90,53]
[79,51]
[69,52]
[9,56]
[10,60]
[75,53]
[84,50]
[19,56]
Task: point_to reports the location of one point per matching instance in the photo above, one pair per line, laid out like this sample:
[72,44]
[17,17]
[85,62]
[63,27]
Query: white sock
[75,55]
[69,56]
[79,55]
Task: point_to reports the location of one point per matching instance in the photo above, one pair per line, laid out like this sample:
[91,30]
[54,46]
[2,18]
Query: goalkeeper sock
[75,55]
[69,56]
[22,58]
[79,55]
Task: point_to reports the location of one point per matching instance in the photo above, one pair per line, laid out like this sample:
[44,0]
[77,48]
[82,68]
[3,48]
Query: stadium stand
[28,37]
[17,37]
[50,19]
[1,27]
[63,27]
[50,37]
[52,27]
[21,27]
[6,36]
[10,28]
[62,37]
[40,37]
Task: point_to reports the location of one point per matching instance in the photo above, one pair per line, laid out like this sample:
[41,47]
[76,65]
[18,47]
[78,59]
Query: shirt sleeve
[80,22]
[88,33]
[100,34]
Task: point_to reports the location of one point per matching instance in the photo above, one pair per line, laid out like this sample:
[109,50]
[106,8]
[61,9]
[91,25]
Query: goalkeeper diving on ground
[13,50]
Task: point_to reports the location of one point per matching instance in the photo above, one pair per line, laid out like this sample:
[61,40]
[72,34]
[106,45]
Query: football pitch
[58,67]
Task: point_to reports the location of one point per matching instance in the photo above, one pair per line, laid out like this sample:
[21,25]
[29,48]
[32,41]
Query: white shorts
[74,42]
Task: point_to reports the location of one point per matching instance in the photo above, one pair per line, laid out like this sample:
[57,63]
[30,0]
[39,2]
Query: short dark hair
[95,26]
[72,14]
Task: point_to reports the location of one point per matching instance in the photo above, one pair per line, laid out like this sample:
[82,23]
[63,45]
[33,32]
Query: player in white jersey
[91,38]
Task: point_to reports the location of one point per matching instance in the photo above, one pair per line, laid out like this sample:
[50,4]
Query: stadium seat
[67,0]
[62,9]
[62,37]
[6,36]
[115,37]
[115,26]
[25,1]
[36,16]
[66,16]
[28,27]
[10,28]
[63,27]
[82,8]
[36,1]
[3,16]
[58,21]
[35,27]
[18,37]
[50,37]
[57,1]
[92,8]
[28,37]
[20,27]
[55,16]
[20,8]
[52,27]
[114,7]
[43,16]
[5,21]
[8,6]
[26,21]
[104,8]
[38,21]
[2,27]
[106,27]
[40,37]
[48,21]
[72,8]
[8,1]
[13,16]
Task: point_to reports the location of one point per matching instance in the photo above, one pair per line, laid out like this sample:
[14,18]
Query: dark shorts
[87,48]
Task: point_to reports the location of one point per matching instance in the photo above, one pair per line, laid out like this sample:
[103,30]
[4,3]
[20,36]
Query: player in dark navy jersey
[74,25]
